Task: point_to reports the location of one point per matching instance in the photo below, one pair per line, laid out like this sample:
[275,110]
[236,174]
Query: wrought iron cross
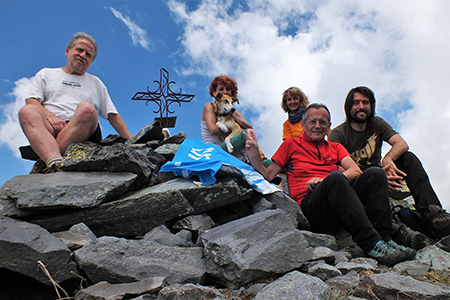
[164,97]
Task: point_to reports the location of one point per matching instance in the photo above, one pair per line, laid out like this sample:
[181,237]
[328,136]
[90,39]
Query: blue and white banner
[194,157]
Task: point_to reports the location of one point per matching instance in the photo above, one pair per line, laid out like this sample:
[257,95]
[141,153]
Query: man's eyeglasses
[313,122]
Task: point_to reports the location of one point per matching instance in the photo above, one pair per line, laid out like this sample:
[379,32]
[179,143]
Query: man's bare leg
[82,125]
[39,132]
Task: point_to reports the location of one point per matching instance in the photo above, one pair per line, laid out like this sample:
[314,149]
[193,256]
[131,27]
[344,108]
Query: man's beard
[355,118]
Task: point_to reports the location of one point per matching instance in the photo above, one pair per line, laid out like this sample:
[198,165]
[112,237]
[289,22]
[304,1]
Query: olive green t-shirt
[364,146]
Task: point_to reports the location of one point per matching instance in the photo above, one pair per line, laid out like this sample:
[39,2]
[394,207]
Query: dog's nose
[232,110]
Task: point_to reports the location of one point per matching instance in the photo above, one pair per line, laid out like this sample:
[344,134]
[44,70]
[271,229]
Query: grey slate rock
[440,259]
[205,197]
[188,291]
[295,285]
[320,240]
[65,189]
[82,229]
[346,267]
[323,253]
[197,223]
[286,203]
[8,207]
[112,139]
[152,144]
[226,171]
[163,236]
[106,291]
[345,282]
[131,215]
[175,139]
[324,271]
[168,151]
[23,244]
[151,131]
[263,205]
[154,157]
[444,243]
[391,285]
[73,241]
[249,248]
[118,260]
[413,267]
[91,157]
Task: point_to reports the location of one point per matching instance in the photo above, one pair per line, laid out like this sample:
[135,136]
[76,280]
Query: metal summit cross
[164,97]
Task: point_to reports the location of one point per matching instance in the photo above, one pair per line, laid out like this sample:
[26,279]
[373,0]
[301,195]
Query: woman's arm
[240,120]
[209,116]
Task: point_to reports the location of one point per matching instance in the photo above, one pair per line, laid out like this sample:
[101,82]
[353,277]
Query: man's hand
[394,176]
[311,184]
[251,145]
[56,123]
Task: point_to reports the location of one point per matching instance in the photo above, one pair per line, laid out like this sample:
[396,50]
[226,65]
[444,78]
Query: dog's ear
[236,100]
[218,96]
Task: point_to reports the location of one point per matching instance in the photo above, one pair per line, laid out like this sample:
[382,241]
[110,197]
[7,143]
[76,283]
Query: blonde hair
[294,91]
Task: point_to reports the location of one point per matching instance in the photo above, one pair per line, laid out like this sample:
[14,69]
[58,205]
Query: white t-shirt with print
[60,93]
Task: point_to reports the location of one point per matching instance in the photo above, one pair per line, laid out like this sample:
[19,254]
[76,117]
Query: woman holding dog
[211,133]
[294,102]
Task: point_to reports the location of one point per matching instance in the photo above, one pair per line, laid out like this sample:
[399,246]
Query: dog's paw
[222,127]
[230,147]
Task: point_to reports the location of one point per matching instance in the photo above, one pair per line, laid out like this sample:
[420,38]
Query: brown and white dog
[224,119]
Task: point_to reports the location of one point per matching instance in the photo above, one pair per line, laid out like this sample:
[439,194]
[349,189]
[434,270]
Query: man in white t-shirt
[62,105]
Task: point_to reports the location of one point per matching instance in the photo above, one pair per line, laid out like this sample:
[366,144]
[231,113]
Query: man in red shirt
[352,199]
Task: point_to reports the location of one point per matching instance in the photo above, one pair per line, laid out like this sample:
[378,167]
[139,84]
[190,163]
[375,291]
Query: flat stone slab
[118,260]
[65,189]
[23,244]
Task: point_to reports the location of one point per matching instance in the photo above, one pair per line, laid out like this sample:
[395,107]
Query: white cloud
[138,35]
[11,134]
[398,48]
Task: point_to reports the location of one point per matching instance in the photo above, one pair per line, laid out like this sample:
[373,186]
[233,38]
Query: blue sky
[398,48]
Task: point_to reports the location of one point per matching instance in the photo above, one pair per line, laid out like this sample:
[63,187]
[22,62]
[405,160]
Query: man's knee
[336,177]
[28,113]
[408,158]
[374,175]
[375,171]
[86,111]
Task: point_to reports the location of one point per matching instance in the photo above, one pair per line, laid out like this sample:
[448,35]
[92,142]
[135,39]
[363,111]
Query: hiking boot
[386,255]
[404,235]
[38,167]
[439,219]
[409,252]
[53,168]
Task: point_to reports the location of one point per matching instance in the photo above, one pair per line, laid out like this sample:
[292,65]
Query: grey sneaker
[404,235]
[409,252]
[53,168]
[386,255]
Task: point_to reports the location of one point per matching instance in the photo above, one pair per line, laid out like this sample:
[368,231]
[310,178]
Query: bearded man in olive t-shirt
[362,134]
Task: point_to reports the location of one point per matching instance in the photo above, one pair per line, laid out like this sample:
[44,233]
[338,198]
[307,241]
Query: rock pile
[110,226]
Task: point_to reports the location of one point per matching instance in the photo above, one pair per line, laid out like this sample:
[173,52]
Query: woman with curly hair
[294,102]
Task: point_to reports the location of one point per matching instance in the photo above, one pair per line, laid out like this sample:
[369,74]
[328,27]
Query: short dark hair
[368,93]
[317,106]
[225,81]
[83,35]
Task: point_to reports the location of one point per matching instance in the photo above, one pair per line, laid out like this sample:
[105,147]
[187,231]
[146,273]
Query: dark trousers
[362,207]
[417,181]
